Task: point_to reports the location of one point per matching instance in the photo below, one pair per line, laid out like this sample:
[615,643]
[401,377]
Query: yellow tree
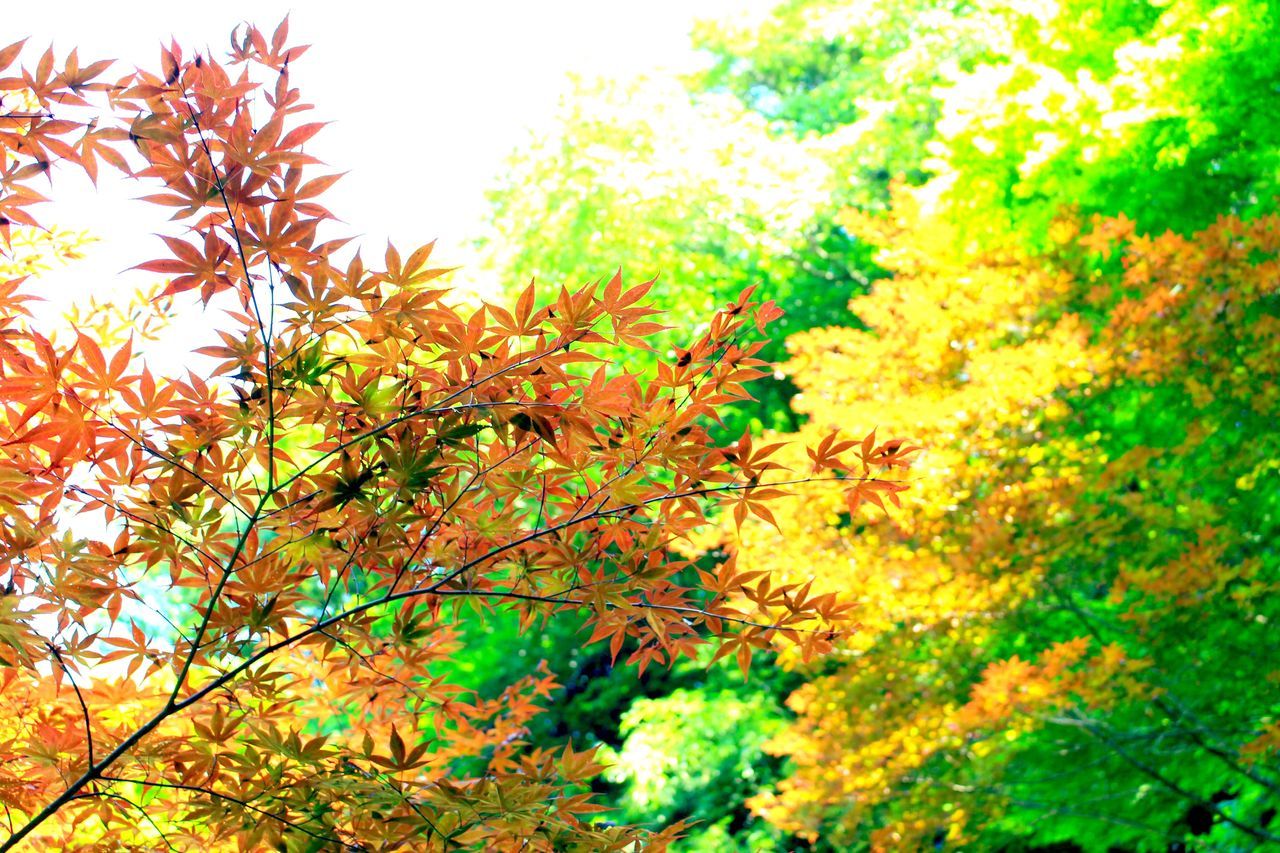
[1059,591]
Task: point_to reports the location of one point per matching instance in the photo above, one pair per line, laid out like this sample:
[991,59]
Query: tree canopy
[1054,226]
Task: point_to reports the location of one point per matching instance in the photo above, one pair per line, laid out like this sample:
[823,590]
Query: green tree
[695,191]
[1161,111]
[860,80]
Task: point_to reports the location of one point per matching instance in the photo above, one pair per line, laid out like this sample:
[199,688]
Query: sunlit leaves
[228,591]
[1077,567]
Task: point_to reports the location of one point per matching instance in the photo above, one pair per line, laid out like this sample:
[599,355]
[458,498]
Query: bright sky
[427,98]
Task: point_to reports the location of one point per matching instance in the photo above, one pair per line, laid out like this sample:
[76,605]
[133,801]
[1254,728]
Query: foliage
[321,595]
[682,744]
[1014,109]
[1149,109]
[861,81]
[1078,580]
[228,596]
[1060,621]
[697,193]
[696,753]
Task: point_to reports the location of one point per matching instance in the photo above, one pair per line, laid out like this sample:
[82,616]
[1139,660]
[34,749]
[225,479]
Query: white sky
[427,98]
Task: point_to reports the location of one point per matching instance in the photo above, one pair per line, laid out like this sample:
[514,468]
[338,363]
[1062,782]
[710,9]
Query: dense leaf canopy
[1054,221]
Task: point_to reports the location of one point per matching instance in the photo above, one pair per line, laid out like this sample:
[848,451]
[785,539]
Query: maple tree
[228,598]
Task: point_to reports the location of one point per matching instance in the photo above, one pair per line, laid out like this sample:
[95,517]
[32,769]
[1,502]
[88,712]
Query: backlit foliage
[229,590]
[1063,632]
[1150,109]
[697,192]
[1066,595]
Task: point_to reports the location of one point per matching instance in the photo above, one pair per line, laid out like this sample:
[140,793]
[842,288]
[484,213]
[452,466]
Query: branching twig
[84,709]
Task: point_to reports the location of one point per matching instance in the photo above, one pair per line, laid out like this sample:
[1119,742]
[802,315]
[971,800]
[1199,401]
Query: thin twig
[84,709]
[244,804]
